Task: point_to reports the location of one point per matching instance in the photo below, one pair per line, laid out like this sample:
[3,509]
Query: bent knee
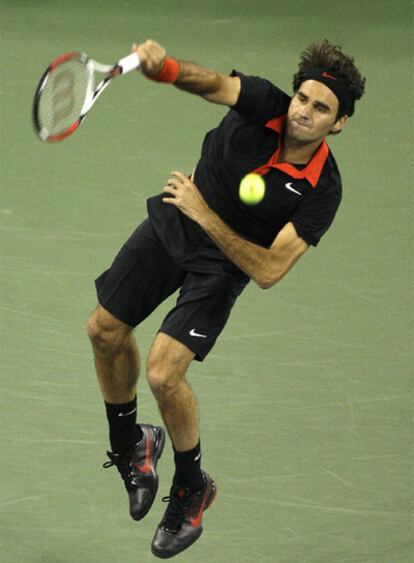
[161,384]
[106,332]
[165,373]
[160,376]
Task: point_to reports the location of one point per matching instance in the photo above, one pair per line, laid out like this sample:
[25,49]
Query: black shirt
[248,140]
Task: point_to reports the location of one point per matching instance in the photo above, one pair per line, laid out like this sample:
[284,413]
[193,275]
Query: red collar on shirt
[312,170]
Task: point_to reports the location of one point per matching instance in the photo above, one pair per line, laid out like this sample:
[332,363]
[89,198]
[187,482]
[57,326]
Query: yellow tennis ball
[252,189]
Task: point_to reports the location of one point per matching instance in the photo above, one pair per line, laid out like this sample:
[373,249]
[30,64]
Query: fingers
[174,186]
[171,190]
[152,56]
[180,175]
[181,192]
[178,179]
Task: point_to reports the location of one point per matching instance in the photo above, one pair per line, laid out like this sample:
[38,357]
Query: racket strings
[63,96]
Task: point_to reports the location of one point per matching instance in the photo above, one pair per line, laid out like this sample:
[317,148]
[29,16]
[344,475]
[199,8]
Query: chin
[299,134]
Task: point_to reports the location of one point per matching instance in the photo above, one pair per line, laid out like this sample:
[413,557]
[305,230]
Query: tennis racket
[67,90]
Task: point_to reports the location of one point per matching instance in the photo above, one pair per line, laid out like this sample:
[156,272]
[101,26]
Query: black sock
[123,429]
[188,469]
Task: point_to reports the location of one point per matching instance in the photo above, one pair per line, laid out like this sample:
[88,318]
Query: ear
[339,124]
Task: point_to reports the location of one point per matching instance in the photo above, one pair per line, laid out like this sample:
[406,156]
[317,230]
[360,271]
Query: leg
[117,368]
[141,276]
[181,524]
[167,365]
[189,331]
[117,358]
[136,449]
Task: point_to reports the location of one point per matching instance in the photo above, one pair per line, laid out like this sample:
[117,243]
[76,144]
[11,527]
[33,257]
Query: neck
[295,152]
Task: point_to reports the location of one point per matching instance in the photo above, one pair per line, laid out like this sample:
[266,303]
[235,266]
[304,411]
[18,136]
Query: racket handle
[129,63]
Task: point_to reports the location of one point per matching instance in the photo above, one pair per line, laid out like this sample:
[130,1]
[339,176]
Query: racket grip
[129,63]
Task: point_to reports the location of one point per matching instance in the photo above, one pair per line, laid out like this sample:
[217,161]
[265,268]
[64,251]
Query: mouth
[300,124]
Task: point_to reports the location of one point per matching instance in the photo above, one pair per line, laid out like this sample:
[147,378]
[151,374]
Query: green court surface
[306,399]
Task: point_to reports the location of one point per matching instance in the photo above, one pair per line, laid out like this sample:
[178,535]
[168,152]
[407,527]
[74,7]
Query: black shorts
[143,275]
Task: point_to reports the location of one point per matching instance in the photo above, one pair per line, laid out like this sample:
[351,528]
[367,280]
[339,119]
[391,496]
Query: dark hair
[328,56]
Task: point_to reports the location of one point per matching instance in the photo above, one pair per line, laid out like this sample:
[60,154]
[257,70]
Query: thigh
[202,310]
[168,358]
[102,321]
[140,278]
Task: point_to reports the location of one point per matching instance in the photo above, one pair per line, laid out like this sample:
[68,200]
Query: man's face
[312,113]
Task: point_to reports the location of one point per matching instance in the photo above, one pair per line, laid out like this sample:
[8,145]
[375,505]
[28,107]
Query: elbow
[266,282]
[269,277]
[266,285]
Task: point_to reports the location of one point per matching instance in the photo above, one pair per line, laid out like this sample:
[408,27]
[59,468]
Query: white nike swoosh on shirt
[194,333]
[289,187]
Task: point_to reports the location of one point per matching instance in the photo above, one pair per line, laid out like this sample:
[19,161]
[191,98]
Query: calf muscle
[167,366]
[117,359]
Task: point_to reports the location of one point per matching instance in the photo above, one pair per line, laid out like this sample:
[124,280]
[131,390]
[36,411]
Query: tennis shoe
[137,467]
[181,525]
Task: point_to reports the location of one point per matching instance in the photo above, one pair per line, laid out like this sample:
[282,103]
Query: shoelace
[122,463]
[175,514]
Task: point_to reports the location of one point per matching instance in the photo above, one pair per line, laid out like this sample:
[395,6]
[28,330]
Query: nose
[305,111]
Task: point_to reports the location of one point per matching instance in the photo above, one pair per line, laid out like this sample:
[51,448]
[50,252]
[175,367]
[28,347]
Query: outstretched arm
[207,83]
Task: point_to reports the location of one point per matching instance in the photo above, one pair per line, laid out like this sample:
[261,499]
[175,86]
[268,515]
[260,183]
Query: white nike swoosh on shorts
[194,333]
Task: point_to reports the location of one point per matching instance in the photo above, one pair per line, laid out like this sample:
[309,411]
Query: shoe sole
[163,554]
[158,454]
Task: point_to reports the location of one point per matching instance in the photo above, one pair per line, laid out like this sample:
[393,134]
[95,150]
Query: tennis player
[201,239]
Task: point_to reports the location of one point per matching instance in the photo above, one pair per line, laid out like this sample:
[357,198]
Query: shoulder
[259,98]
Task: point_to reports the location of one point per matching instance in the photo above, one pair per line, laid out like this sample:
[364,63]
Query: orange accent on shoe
[195,522]
[147,466]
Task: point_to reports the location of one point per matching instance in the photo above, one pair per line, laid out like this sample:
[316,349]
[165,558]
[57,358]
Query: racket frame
[124,65]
